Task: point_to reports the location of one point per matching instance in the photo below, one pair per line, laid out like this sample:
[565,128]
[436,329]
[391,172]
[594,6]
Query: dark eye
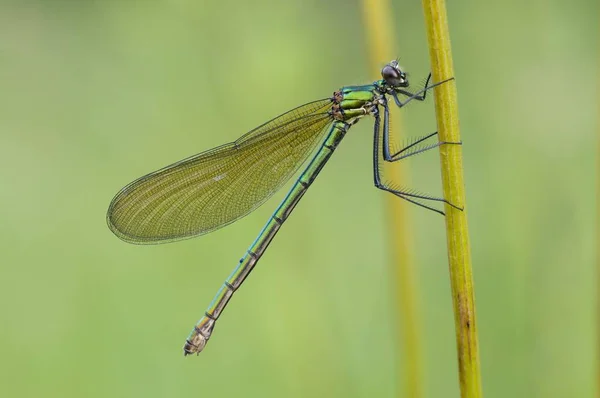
[389,73]
[393,75]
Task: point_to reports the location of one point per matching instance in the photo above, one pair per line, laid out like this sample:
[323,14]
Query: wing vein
[214,188]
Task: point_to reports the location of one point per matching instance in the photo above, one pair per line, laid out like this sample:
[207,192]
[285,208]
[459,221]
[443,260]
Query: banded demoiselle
[212,189]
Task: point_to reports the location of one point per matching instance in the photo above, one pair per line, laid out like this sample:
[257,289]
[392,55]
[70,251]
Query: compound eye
[389,73]
[394,76]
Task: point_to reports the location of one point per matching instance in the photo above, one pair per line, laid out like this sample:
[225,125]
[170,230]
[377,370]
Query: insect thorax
[354,102]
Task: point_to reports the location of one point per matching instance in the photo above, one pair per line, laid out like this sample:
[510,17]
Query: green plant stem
[459,253]
[598,244]
[379,34]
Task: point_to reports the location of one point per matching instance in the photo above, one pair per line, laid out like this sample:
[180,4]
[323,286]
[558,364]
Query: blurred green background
[95,94]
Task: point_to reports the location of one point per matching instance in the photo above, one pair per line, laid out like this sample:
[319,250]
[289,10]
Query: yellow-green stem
[379,34]
[459,253]
[598,245]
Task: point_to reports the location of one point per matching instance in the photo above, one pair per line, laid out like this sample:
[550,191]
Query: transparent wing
[212,189]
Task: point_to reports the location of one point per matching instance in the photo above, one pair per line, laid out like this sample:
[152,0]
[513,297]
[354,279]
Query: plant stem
[459,253]
[598,245]
[379,34]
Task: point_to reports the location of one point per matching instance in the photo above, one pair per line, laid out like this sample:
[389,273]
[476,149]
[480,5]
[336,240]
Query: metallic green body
[209,190]
[355,102]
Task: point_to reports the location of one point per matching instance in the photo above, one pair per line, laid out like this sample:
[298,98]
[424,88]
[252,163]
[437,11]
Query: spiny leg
[387,156]
[408,196]
[387,145]
[405,153]
[419,95]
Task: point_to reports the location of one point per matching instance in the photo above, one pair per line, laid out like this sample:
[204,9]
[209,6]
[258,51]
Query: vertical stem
[379,33]
[459,254]
[598,244]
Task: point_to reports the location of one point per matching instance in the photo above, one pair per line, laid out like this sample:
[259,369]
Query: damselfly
[214,188]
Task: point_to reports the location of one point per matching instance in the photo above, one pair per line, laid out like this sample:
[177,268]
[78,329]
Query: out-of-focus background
[95,94]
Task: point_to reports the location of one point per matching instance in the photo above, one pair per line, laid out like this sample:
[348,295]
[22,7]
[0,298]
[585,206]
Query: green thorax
[351,101]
